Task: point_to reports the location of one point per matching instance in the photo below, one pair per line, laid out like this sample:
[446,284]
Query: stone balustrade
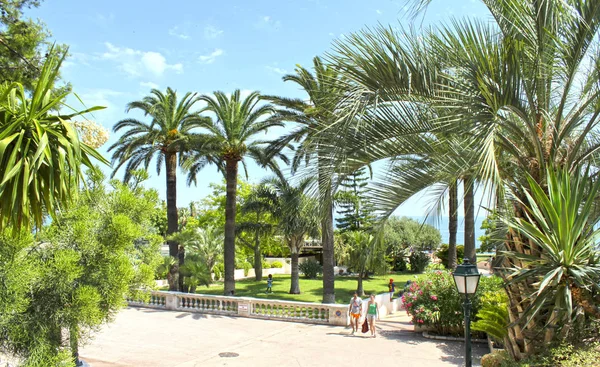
[314,313]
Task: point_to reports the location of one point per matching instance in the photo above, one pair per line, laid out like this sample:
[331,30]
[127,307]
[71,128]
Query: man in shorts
[355,310]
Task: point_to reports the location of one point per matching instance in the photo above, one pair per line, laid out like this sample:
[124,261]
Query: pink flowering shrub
[433,302]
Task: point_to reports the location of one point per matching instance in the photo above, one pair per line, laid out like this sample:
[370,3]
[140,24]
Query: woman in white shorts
[372,313]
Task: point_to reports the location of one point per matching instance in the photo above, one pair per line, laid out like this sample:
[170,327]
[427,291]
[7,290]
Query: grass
[311,288]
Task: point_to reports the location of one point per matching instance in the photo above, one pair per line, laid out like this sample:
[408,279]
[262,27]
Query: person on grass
[270,284]
[372,313]
[355,310]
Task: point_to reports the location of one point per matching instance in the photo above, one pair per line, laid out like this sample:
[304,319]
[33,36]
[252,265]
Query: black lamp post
[466,278]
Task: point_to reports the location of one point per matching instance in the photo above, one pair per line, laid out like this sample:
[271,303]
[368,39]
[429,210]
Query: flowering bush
[433,302]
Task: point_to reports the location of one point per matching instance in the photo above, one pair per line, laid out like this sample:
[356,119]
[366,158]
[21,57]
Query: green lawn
[311,288]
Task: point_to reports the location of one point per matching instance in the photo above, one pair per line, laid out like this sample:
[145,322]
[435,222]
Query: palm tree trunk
[327,233]
[295,286]
[452,223]
[469,206]
[171,166]
[231,167]
[328,254]
[257,259]
[359,288]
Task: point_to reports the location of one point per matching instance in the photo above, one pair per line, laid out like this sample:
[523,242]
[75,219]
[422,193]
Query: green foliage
[195,272]
[78,273]
[310,268]
[492,317]
[276,265]
[418,261]
[218,270]
[565,355]
[246,266]
[353,206]
[404,233]
[495,231]
[162,270]
[361,252]
[561,219]
[433,301]
[266,264]
[443,252]
[25,43]
[40,152]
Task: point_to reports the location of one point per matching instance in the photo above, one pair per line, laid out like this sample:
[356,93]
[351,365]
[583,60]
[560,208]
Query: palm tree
[521,92]
[41,153]
[141,142]
[258,223]
[227,141]
[298,217]
[360,254]
[313,117]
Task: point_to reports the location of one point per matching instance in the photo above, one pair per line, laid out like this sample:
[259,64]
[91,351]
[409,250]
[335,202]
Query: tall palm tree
[313,117]
[41,154]
[297,215]
[522,91]
[226,141]
[141,142]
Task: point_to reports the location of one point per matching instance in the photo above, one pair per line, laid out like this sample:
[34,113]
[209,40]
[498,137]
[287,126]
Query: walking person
[270,284]
[392,288]
[372,314]
[355,310]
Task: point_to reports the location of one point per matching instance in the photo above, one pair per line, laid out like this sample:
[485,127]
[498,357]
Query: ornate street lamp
[466,277]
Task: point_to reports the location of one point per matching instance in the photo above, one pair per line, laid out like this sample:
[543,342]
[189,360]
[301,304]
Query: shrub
[492,317]
[433,302]
[418,261]
[218,270]
[266,264]
[399,264]
[246,266]
[442,254]
[311,269]
[566,355]
[496,359]
[276,265]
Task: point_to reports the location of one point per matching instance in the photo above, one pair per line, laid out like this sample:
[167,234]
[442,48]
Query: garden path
[146,337]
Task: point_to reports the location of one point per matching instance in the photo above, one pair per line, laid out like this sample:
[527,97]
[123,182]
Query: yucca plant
[41,153]
[561,218]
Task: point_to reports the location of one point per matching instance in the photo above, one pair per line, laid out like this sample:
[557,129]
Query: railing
[296,311]
[207,304]
[156,300]
[314,313]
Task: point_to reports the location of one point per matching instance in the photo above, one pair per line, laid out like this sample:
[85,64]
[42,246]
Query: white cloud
[277,70]
[138,63]
[332,34]
[212,32]
[175,32]
[149,85]
[266,22]
[210,58]
[378,11]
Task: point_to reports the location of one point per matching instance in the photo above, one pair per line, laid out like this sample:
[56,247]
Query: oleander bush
[433,301]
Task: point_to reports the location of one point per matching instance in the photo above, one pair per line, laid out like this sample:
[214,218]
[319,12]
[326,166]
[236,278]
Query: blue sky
[122,49]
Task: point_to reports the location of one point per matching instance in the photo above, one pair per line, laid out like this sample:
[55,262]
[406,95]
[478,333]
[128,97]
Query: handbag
[365,326]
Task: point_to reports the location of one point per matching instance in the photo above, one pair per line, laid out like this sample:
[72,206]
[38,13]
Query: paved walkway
[146,337]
